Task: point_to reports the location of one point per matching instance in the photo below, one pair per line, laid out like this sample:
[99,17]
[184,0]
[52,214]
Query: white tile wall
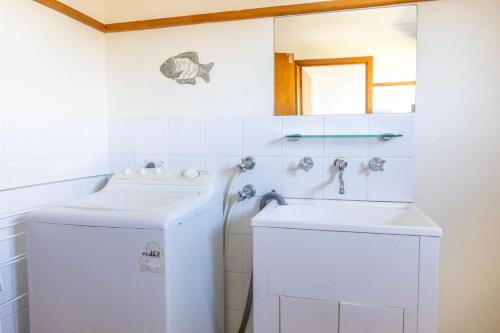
[266,176]
[14,315]
[223,136]
[219,143]
[13,205]
[261,136]
[4,202]
[151,136]
[185,136]
[66,137]
[298,183]
[2,139]
[39,158]
[355,179]
[26,138]
[122,142]
[302,125]
[344,124]
[37,151]
[35,154]
[386,123]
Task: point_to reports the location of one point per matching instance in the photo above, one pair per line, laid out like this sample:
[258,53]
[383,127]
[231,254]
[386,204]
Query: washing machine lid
[128,201]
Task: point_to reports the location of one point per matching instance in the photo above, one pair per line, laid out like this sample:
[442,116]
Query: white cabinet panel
[299,315]
[370,319]
[353,268]
[428,287]
[343,282]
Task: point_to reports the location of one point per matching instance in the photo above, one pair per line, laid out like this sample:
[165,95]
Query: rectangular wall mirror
[350,62]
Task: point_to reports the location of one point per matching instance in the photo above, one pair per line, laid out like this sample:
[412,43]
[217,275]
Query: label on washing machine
[152,258]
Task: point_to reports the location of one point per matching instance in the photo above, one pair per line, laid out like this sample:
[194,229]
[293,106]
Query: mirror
[350,62]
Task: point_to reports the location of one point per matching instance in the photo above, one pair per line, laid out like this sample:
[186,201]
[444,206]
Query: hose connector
[247,192]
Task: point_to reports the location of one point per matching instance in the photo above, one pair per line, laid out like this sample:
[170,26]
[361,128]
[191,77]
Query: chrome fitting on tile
[340,165]
[247,163]
[306,163]
[376,164]
[247,192]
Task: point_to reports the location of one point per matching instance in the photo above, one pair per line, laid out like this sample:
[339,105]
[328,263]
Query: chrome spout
[340,165]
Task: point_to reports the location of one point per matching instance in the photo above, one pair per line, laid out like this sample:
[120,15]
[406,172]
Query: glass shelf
[383,136]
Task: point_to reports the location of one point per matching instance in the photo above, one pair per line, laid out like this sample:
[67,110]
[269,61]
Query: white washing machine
[143,255]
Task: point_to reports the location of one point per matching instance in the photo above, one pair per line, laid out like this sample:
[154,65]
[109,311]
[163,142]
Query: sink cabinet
[320,281]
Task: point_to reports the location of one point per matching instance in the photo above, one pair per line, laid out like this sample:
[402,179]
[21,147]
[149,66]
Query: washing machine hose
[248,306]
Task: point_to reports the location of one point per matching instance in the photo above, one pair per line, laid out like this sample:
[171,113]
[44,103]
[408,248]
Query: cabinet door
[370,319]
[298,315]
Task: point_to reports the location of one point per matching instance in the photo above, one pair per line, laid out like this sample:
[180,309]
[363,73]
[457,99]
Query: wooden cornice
[233,15]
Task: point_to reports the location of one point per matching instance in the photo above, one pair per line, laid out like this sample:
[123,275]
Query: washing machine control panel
[163,176]
[191,173]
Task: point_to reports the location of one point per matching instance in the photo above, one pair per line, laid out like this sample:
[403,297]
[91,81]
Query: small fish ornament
[185,67]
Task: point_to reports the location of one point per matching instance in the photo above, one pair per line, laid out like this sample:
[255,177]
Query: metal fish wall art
[185,67]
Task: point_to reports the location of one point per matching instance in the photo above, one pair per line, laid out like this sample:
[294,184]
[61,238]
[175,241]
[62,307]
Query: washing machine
[143,255]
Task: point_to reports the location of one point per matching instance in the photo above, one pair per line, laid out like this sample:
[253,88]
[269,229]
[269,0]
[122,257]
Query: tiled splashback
[34,150]
[218,143]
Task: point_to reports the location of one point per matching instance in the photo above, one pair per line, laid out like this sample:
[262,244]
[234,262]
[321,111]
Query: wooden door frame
[367,61]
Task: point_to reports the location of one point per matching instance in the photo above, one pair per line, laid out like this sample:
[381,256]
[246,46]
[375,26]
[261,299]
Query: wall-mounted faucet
[340,165]
[247,163]
[376,164]
[247,192]
[307,163]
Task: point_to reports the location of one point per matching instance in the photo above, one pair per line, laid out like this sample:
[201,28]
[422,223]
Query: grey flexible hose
[248,306]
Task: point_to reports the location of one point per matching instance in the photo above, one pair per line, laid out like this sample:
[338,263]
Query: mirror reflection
[350,62]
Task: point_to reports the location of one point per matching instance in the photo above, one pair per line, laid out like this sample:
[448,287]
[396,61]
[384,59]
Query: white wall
[241,81]
[53,129]
[457,121]
[458,154]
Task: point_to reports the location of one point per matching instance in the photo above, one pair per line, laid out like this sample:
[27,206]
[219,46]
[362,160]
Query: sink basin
[349,216]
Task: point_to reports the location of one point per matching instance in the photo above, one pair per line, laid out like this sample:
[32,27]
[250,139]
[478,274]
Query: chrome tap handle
[340,165]
[307,163]
[376,164]
[247,163]
[247,192]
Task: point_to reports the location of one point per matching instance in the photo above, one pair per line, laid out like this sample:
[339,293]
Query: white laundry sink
[349,216]
[345,266]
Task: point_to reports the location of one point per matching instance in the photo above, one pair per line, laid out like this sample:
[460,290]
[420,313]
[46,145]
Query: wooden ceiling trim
[73,13]
[233,15]
[254,13]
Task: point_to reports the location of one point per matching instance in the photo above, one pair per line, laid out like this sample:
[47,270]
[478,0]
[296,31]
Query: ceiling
[354,24]
[111,11]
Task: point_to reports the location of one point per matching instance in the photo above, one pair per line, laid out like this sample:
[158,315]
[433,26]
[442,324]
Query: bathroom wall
[456,133]
[241,81]
[219,142]
[458,154]
[53,129]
